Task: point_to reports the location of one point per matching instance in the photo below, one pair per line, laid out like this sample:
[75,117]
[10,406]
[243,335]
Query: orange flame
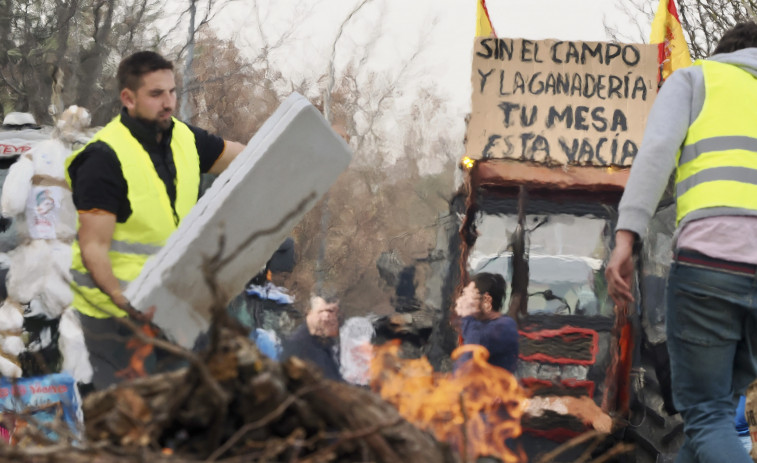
[476,409]
[136,368]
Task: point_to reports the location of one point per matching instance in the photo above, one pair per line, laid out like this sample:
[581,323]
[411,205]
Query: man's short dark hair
[328,294]
[494,284]
[133,67]
[742,35]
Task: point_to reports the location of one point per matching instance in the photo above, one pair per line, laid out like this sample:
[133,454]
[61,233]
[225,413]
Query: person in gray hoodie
[704,125]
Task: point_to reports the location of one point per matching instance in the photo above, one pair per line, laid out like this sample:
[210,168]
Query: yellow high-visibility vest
[152,219]
[716,171]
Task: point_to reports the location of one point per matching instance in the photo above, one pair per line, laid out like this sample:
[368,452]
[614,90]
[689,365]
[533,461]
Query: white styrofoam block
[285,169]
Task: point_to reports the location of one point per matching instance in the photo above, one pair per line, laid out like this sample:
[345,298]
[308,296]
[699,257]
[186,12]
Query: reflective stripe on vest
[717,164]
[133,248]
[691,152]
[84,280]
[152,219]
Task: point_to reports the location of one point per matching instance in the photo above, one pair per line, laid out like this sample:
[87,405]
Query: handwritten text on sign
[560,102]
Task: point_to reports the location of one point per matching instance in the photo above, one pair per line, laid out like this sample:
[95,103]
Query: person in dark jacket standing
[317,340]
[482,323]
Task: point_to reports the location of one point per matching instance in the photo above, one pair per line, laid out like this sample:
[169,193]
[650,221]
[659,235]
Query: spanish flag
[484,26]
[668,34]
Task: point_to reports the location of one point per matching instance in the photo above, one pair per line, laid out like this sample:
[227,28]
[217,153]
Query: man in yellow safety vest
[132,185]
[704,125]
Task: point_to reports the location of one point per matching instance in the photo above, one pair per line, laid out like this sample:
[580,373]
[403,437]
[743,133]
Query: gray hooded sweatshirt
[677,105]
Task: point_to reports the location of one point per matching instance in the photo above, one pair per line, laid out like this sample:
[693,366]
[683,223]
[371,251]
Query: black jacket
[316,350]
[98,181]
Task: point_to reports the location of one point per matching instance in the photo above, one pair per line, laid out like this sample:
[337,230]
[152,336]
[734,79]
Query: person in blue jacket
[482,323]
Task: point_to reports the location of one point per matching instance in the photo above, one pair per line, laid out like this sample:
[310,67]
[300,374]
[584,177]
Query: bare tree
[76,39]
[703,21]
[391,196]
[332,67]
[224,90]
[196,23]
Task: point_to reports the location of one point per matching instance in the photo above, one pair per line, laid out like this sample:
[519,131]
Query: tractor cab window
[566,256]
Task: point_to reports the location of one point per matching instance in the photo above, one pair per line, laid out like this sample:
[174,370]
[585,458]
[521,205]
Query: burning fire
[476,409]
[136,368]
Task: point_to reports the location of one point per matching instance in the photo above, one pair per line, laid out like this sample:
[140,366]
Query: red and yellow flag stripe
[668,34]
[484,26]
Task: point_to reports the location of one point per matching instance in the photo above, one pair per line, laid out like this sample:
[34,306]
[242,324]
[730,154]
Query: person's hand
[619,270]
[140,317]
[469,301]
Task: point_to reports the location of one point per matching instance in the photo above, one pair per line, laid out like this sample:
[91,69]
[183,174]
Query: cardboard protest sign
[560,102]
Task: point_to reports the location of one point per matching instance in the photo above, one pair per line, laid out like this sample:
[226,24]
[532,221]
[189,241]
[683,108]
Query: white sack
[12,345]
[28,264]
[72,347]
[60,258]
[11,316]
[56,295]
[49,158]
[16,187]
[9,369]
[66,226]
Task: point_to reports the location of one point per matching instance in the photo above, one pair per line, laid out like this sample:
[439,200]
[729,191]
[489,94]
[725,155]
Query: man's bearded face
[155,100]
[323,318]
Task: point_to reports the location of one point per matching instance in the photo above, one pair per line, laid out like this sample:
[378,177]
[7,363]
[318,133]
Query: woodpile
[233,404]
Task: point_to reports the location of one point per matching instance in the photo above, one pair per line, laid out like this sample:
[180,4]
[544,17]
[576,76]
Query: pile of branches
[233,404]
